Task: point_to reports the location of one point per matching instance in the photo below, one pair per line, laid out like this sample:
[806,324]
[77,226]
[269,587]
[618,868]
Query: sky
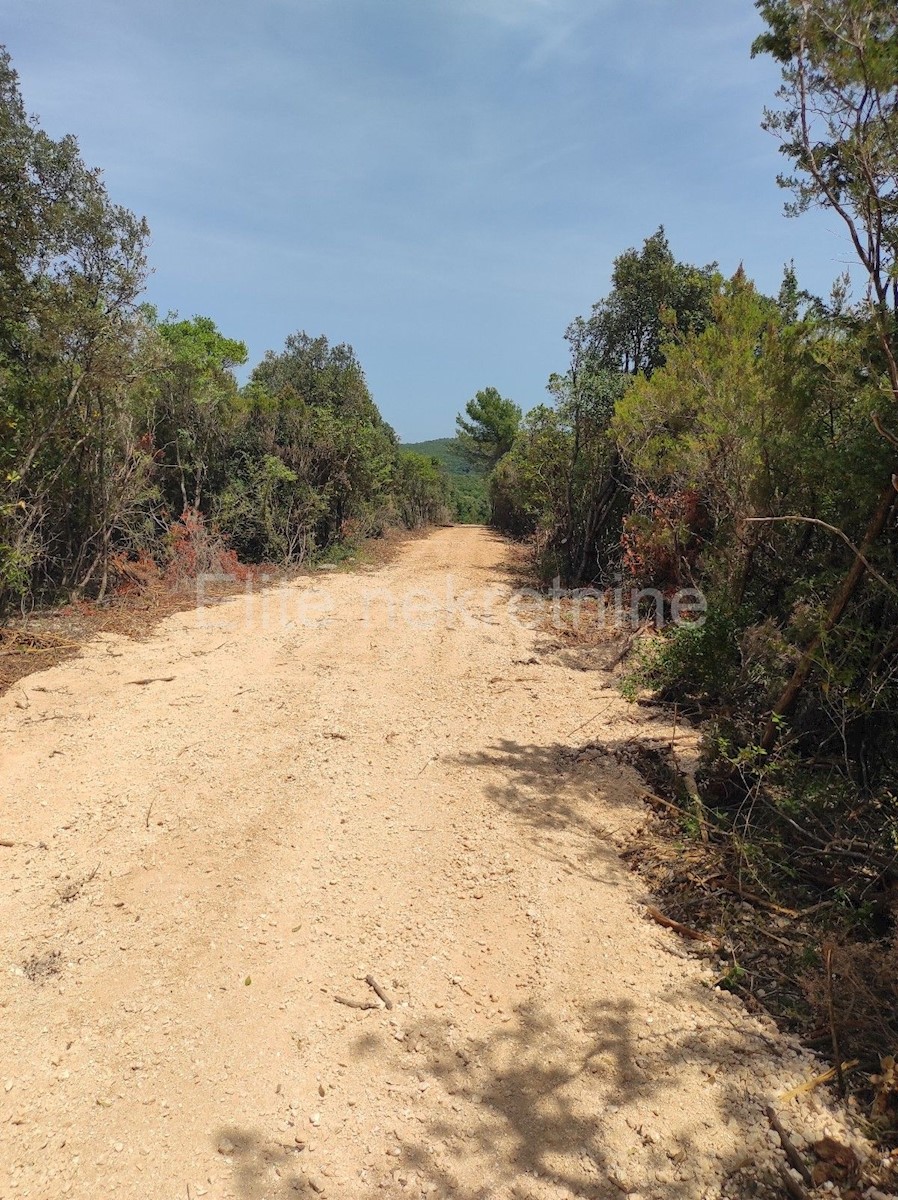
[442,183]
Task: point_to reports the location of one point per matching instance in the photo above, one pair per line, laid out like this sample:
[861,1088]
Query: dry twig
[372,983]
[791,1184]
[694,935]
[839,534]
[816,1080]
[789,1148]
[736,888]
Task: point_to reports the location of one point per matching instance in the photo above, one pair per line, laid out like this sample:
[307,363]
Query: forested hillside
[468,490]
[125,437]
[707,436]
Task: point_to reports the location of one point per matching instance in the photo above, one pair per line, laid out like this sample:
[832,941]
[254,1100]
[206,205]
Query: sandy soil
[313,789]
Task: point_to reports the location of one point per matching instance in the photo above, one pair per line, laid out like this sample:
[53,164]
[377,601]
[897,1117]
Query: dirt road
[311,789]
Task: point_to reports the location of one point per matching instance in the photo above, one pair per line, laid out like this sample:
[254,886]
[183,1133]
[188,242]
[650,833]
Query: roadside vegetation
[706,435]
[127,447]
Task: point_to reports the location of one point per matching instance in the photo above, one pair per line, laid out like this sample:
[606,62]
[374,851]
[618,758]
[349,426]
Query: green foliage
[469,499]
[71,341]
[447,453]
[564,479]
[757,427]
[838,126]
[468,488]
[760,418]
[560,481]
[489,430]
[651,295]
[732,978]
[694,660]
[117,428]
[424,488]
[528,486]
[190,408]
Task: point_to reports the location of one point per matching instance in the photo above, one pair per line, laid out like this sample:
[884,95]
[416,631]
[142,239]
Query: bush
[195,549]
[696,660]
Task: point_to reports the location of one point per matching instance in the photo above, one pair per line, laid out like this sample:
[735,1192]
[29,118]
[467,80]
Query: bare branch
[838,532]
[882,431]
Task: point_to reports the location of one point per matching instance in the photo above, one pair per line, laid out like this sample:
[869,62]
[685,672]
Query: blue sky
[442,183]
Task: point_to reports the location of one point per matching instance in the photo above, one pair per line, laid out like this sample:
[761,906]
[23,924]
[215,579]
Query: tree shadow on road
[541,1107]
[263,1168]
[568,1099]
[552,791]
[583,1105]
[563,799]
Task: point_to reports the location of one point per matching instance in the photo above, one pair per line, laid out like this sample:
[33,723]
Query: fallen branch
[733,886]
[694,935]
[789,1148]
[372,983]
[356,1003]
[628,646]
[791,1184]
[152,679]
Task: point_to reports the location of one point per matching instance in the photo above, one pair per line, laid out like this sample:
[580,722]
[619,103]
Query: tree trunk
[750,539]
[837,606]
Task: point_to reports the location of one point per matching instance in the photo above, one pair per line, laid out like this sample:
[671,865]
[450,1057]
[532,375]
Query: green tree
[489,430]
[193,407]
[650,293]
[423,492]
[838,124]
[565,479]
[715,432]
[561,479]
[72,345]
[753,459]
[318,373]
[309,406]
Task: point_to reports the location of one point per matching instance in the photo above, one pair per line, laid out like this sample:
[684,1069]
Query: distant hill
[445,450]
[470,492]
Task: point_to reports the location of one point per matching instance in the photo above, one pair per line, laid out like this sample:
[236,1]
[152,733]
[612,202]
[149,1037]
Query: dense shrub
[125,439]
